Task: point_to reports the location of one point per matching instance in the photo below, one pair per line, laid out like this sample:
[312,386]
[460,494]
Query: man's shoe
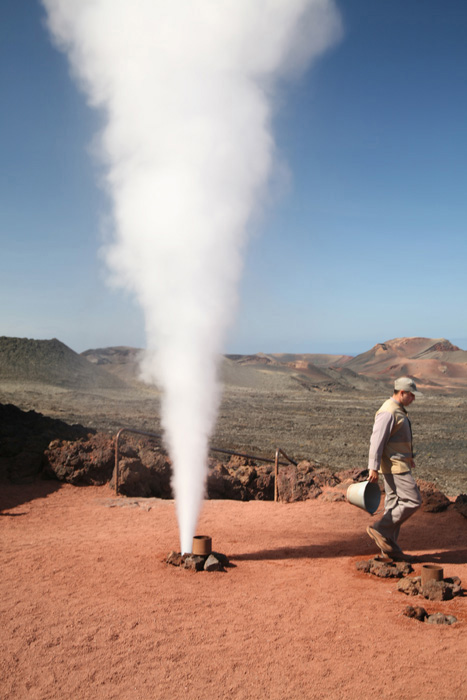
[383,543]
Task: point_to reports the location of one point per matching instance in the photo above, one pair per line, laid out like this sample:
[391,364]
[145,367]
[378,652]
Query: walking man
[391,454]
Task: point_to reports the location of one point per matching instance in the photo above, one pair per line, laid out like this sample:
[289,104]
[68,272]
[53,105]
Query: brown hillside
[445,352]
[431,373]
[434,363]
[382,355]
[263,371]
[317,359]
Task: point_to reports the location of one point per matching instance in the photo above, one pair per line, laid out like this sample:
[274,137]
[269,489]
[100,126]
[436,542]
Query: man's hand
[372,476]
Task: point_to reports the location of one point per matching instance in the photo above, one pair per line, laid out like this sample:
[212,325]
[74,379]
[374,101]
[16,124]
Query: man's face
[406,398]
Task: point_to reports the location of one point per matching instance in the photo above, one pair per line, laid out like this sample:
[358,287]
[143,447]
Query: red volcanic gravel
[90,610]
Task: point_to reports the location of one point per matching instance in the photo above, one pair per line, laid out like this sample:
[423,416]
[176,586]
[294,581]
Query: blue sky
[366,243]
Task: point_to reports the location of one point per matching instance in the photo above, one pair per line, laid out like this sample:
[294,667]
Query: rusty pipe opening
[202,545]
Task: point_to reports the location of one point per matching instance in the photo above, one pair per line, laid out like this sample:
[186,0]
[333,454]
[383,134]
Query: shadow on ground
[445,533]
[14,495]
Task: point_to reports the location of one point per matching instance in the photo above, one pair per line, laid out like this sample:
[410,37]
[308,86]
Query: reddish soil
[90,610]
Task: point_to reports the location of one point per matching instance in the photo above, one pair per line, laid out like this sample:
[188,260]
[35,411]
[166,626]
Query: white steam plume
[186,88]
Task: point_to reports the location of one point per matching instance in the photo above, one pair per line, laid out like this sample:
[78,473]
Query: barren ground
[267,410]
[90,610]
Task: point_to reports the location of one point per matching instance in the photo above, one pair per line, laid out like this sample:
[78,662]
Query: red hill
[433,362]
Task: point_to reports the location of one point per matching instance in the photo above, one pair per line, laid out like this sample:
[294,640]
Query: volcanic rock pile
[434,501]
[460,504]
[215,561]
[24,438]
[445,589]
[420,614]
[432,589]
[384,568]
[82,462]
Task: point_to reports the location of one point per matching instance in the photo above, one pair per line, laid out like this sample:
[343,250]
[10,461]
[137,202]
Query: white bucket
[365,495]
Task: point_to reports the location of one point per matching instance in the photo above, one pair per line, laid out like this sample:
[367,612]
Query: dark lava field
[270,411]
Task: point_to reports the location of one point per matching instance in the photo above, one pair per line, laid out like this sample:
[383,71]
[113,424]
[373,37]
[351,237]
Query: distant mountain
[24,360]
[312,372]
[318,360]
[432,362]
[298,361]
[435,363]
[120,361]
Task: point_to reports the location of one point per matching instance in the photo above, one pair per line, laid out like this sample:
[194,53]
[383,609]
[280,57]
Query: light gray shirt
[384,423]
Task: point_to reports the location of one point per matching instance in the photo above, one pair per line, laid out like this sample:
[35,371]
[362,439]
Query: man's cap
[406,384]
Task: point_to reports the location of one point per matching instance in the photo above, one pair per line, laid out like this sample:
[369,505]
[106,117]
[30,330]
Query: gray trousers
[402,500]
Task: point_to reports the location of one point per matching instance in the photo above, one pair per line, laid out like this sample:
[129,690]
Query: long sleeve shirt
[384,423]
[391,448]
